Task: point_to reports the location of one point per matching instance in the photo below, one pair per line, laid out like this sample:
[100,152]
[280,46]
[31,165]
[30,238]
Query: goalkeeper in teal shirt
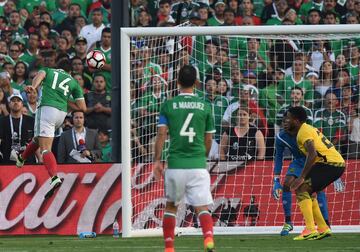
[284,140]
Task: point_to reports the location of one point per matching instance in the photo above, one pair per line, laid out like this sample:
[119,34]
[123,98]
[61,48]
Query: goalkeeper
[283,141]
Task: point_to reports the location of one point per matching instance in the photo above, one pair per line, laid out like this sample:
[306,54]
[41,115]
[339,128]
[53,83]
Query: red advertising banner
[90,198]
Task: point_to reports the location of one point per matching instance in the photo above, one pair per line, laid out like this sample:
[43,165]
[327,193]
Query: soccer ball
[95,59]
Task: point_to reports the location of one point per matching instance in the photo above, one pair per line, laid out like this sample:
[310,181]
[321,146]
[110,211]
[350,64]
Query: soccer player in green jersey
[190,124]
[58,87]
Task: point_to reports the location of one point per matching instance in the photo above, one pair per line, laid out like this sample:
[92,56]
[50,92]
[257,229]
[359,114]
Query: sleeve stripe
[81,98]
[161,125]
[282,140]
[210,131]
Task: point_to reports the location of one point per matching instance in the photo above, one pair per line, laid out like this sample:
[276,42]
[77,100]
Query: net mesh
[249,81]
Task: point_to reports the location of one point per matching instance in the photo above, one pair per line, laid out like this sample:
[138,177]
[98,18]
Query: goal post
[142,197]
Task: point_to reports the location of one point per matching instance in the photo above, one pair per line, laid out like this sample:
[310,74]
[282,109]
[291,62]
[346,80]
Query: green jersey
[188,118]
[58,87]
[330,122]
[289,82]
[285,107]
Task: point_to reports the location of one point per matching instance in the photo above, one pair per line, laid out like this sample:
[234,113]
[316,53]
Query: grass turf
[338,242]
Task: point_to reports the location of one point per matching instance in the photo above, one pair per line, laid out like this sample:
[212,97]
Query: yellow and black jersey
[325,149]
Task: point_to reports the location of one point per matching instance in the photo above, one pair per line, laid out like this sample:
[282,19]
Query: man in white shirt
[92,32]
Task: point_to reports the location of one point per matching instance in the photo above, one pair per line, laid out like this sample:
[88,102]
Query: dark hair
[106,30]
[298,113]
[97,10]
[298,88]
[65,65]
[26,74]
[187,76]
[165,2]
[76,111]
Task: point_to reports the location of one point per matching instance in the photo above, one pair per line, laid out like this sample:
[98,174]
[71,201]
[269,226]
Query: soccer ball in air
[95,59]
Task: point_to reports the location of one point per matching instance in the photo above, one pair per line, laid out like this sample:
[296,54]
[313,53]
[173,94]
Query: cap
[80,39]
[316,10]
[249,74]
[219,2]
[104,131]
[245,87]
[280,70]
[203,5]
[312,73]
[19,40]
[194,15]
[16,95]
[5,75]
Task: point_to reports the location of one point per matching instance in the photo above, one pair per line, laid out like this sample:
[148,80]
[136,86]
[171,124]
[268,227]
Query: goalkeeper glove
[339,186]
[277,189]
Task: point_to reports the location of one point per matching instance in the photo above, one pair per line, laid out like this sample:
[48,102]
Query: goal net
[250,76]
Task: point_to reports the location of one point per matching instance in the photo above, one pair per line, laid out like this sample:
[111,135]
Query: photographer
[16,131]
[80,144]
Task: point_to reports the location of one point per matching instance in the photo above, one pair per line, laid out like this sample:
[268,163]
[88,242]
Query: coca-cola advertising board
[90,198]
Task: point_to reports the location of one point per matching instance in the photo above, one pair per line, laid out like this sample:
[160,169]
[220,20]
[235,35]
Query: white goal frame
[126,33]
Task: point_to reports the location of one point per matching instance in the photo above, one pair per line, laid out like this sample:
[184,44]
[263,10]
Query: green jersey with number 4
[58,87]
[188,118]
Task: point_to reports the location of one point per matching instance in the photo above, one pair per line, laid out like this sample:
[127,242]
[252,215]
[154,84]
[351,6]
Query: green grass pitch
[338,242]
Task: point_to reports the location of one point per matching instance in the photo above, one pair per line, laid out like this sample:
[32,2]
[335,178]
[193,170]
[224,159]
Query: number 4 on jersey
[190,133]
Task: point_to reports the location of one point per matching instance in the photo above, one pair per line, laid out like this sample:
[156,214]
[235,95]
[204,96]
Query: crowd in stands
[40,33]
[250,81]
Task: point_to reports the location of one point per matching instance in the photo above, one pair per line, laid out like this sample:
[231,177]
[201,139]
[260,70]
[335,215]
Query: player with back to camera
[285,140]
[190,124]
[323,165]
[58,90]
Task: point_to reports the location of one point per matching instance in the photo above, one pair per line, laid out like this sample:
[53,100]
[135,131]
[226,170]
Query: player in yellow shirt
[323,165]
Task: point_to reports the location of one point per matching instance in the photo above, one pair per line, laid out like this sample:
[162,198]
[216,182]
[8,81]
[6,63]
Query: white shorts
[191,184]
[47,120]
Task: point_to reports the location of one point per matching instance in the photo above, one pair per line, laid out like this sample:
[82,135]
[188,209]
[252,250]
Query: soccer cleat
[19,161]
[209,245]
[306,235]
[55,183]
[286,229]
[169,250]
[323,233]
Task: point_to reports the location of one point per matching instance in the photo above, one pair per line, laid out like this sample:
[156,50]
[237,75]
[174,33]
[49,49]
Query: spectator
[105,146]
[219,104]
[32,50]
[5,85]
[352,18]
[69,21]
[354,135]
[14,52]
[44,32]
[330,17]
[80,48]
[181,10]
[16,130]
[218,17]
[144,19]
[63,45]
[280,12]
[81,80]
[70,36]
[61,13]
[297,100]
[163,14]
[326,77]
[243,141]
[78,67]
[149,107]
[243,100]
[306,9]
[21,74]
[222,88]
[296,79]
[229,17]
[269,10]
[32,102]
[321,52]
[331,121]
[203,11]
[209,60]
[92,32]
[104,45]
[247,10]
[15,25]
[98,102]
[347,106]
[80,22]
[340,62]
[4,108]
[313,17]
[354,62]
[71,139]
